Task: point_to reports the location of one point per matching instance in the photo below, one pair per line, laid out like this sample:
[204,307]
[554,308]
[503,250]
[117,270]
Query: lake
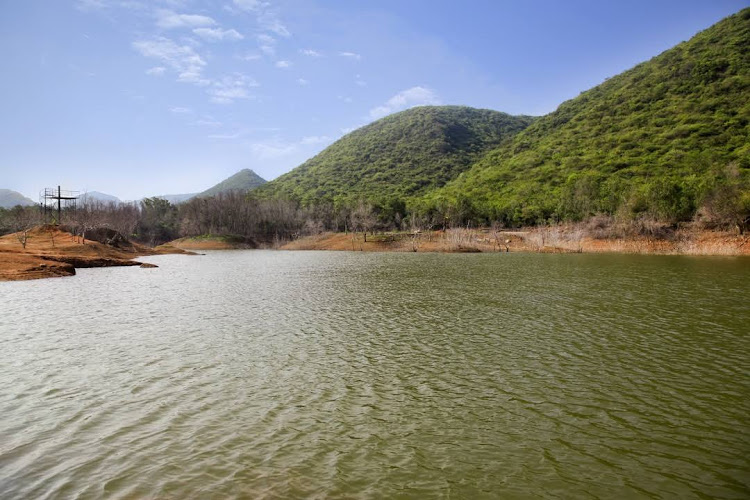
[271,374]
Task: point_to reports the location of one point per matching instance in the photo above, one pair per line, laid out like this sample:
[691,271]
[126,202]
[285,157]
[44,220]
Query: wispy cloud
[310,53]
[315,139]
[415,96]
[180,110]
[156,71]
[267,44]
[86,5]
[181,58]
[168,19]
[250,5]
[277,148]
[229,88]
[265,15]
[351,55]
[272,150]
[270,22]
[207,121]
[283,64]
[218,34]
[235,135]
[250,56]
[91,5]
[302,81]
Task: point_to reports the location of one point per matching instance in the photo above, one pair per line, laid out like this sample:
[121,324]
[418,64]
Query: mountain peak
[244,180]
[403,154]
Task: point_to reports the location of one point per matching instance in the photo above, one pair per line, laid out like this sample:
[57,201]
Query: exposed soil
[211,243]
[51,252]
[544,240]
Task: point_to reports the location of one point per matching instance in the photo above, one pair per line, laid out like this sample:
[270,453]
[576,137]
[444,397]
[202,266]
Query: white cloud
[168,19]
[207,121]
[250,57]
[283,64]
[229,88]
[250,5]
[315,139]
[266,39]
[270,22]
[91,5]
[180,110]
[415,96]
[267,44]
[156,71]
[272,150]
[265,16]
[218,34]
[310,53]
[86,5]
[302,81]
[346,99]
[181,58]
[236,135]
[350,55]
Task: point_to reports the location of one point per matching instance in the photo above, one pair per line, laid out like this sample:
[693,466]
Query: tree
[22,220]
[158,222]
[363,217]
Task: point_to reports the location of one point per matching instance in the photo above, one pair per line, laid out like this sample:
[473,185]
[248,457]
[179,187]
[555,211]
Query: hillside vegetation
[665,139]
[244,180]
[403,155]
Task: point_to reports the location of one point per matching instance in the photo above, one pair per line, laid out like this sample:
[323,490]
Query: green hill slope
[10,198]
[404,154]
[244,180]
[658,139]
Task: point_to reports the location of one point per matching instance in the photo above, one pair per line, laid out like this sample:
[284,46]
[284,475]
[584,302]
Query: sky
[140,98]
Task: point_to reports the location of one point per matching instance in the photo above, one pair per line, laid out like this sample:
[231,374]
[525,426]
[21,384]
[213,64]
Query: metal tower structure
[53,200]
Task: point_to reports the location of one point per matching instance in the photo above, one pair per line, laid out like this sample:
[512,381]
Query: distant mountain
[176,198]
[658,139]
[404,154]
[9,199]
[244,180]
[100,197]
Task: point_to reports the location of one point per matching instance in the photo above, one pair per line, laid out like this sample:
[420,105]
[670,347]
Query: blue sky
[145,97]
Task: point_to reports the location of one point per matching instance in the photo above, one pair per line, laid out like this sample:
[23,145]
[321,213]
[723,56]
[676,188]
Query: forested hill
[402,155]
[659,139]
[244,180]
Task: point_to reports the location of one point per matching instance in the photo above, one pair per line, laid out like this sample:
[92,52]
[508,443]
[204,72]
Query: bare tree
[363,218]
[22,220]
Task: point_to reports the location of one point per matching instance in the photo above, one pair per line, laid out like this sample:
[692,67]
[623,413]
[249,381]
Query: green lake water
[262,374]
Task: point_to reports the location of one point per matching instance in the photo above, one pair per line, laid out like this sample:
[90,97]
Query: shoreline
[532,240]
[53,253]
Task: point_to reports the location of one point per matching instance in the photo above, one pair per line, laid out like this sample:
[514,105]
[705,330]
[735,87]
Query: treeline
[720,201]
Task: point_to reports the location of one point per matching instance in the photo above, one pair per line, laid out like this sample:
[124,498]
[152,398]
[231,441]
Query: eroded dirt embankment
[545,240]
[51,252]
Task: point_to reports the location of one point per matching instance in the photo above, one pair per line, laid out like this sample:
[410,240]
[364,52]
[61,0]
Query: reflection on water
[282,374]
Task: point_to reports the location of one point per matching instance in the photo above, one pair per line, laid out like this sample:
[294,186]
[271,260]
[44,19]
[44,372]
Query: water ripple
[337,375]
